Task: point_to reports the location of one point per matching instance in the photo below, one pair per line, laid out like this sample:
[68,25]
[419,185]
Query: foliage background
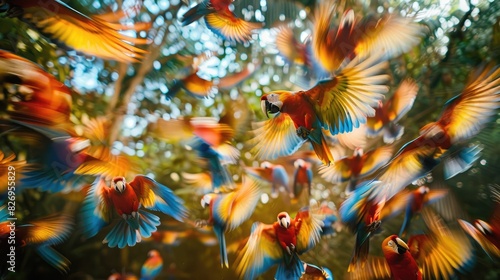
[460,35]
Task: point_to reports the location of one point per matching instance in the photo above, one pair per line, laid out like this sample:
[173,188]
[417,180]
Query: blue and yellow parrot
[221,20]
[127,200]
[279,244]
[93,35]
[338,104]
[152,266]
[444,140]
[228,210]
[275,174]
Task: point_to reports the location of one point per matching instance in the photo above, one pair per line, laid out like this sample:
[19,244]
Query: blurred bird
[463,117]
[356,167]
[339,104]
[127,198]
[229,210]
[221,20]
[175,237]
[363,216]
[93,35]
[152,266]
[280,243]
[487,234]
[312,272]
[275,174]
[35,97]
[353,37]
[302,179]
[40,234]
[389,113]
[414,202]
[440,254]
[331,222]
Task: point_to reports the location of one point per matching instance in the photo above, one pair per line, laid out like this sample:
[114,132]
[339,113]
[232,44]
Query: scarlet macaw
[228,210]
[275,174]
[221,20]
[302,178]
[152,266]
[94,35]
[387,114]
[463,117]
[280,243]
[487,234]
[438,254]
[331,46]
[127,198]
[338,104]
[356,167]
[40,234]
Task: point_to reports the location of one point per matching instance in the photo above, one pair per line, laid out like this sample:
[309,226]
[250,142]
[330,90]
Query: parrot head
[284,219]
[358,152]
[206,200]
[395,244]
[483,226]
[118,184]
[153,253]
[266,165]
[271,104]
[423,190]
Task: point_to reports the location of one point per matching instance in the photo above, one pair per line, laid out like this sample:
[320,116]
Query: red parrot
[152,266]
[40,99]
[302,179]
[356,167]
[391,34]
[280,243]
[127,198]
[444,140]
[389,113]
[487,234]
[438,254]
[40,234]
[92,35]
[275,174]
[221,20]
[338,104]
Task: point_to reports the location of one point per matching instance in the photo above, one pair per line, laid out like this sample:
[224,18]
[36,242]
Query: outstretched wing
[237,206]
[375,159]
[344,102]
[96,209]
[261,251]
[231,28]
[90,35]
[338,172]
[402,100]
[487,245]
[467,113]
[373,268]
[155,196]
[275,138]
[310,230]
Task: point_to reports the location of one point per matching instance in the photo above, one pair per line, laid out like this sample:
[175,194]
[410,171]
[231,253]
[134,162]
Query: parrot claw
[303,132]
[134,214]
[201,223]
[290,249]
[375,225]
[124,216]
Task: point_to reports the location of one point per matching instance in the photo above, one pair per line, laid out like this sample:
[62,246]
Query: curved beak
[263,106]
[402,246]
[284,222]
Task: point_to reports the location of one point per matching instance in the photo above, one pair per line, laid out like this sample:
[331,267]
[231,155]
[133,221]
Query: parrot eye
[391,243]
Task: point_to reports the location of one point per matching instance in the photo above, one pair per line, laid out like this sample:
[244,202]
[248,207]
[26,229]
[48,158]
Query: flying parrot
[356,167]
[152,266]
[302,178]
[279,244]
[40,98]
[437,254]
[359,37]
[313,272]
[275,174]
[463,117]
[96,35]
[363,216]
[228,210]
[331,222]
[40,234]
[127,200]
[387,114]
[414,202]
[338,104]
[487,234]
[221,20]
